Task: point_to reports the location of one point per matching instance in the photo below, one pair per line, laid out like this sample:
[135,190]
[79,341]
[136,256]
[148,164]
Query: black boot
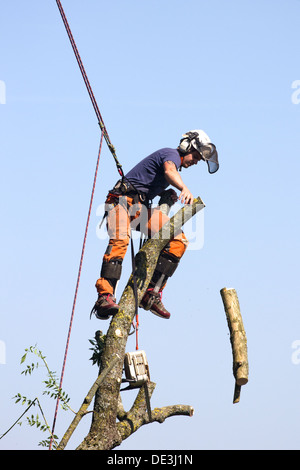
[105,307]
[165,268]
[152,301]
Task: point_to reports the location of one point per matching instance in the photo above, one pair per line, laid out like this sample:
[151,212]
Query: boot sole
[110,313]
[160,316]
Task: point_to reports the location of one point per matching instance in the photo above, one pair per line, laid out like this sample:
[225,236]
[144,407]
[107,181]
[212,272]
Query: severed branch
[237,338]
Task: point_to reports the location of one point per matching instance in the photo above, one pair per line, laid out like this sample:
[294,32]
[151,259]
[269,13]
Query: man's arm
[173,177]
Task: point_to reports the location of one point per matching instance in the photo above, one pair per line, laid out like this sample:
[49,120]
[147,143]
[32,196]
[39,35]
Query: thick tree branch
[105,433]
[138,416]
[84,407]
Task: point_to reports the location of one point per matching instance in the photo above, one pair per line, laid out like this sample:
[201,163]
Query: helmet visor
[209,153]
[211,158]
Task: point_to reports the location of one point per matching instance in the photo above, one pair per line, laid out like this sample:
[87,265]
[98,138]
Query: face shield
[209,153]
[200,141]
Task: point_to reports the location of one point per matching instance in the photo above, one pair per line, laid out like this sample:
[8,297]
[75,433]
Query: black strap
[134,279]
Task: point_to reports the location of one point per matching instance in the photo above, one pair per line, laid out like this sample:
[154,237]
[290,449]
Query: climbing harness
[124,187]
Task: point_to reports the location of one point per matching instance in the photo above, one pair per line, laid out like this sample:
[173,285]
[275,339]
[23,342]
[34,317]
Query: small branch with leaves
[51,384]
[52,390]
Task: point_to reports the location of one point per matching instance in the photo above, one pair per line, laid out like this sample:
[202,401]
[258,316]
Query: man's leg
[119,233]
[166,265]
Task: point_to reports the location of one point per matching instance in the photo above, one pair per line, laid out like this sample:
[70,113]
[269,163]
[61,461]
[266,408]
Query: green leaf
[23,358]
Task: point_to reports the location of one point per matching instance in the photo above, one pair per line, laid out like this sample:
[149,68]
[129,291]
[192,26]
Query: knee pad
[167,264]
[112,269]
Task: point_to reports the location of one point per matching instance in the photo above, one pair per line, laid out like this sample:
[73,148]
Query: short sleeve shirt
[148,175]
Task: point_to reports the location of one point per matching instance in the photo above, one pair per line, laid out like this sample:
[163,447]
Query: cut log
[237,338]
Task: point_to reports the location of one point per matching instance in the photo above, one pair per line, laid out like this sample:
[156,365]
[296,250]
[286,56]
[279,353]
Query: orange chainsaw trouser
[124,215]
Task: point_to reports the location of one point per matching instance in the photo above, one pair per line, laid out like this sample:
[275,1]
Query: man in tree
[128,207]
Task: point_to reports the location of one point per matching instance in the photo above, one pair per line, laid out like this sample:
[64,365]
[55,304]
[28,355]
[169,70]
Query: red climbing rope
[76,289]
[104,135]
[89,88]
[137,332]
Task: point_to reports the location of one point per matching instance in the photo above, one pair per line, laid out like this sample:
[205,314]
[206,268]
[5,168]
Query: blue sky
[157,69]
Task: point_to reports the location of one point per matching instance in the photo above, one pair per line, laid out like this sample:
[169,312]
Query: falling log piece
[237,338]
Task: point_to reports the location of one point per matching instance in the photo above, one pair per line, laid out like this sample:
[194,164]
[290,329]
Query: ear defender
[185,145]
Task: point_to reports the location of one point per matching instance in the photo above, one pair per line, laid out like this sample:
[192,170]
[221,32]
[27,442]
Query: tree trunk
[111,424]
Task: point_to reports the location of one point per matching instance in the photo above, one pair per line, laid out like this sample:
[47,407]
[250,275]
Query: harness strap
[124,187]
[136,307]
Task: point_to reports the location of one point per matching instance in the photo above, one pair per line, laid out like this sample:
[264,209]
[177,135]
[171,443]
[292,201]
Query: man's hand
[174,178]
[186,196]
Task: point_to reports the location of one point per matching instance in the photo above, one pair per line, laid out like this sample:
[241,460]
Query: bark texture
[110,423]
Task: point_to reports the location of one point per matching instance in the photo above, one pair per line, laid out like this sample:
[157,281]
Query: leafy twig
[98,345]
[52,390]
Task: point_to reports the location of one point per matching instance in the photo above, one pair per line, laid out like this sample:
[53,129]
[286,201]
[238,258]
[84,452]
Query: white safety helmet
[199,140]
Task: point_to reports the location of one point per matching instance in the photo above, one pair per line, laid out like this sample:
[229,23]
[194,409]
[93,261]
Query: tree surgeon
[128,206]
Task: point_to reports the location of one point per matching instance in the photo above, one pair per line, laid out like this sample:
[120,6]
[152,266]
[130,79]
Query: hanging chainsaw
[137,374]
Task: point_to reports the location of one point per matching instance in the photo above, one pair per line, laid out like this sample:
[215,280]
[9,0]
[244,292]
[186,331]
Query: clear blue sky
[158,69]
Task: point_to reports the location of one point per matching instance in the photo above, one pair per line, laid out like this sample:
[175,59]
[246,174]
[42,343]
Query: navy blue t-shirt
[148,175]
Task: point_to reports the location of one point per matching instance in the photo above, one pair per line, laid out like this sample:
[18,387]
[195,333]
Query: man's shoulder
[168,153]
